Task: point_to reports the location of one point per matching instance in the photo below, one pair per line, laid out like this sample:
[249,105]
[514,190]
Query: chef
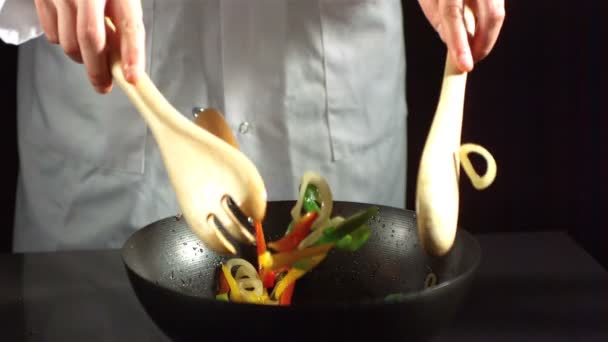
[305,85]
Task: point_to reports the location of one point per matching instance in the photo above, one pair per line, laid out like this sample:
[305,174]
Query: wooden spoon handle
[150,102]
[437,195]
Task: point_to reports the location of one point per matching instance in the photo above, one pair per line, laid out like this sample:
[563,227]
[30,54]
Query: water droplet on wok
[172,276]
[193,248]
[201,250]
[172,230]
[185,244]
[183,282]
[383,225]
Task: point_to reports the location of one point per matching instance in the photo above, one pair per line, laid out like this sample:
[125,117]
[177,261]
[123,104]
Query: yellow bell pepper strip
[235,293]
[251,298]
[303,267]
[291,276]
[300,231]
[285,298]
[280,260]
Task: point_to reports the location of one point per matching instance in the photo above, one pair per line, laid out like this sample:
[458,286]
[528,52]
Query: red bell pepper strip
[259,238]
[287,294]
[224,287]
[299,232]
[260,245]
[267,276]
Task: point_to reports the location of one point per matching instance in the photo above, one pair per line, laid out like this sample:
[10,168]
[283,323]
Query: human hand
[79,27]
[446,16]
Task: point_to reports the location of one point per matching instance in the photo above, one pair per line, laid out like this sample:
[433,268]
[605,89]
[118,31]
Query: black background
[538,103]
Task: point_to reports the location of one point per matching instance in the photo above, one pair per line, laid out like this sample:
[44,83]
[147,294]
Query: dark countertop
[530,287]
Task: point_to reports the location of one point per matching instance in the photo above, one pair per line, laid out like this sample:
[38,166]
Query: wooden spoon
[203,168]
[437,195]
[211,120]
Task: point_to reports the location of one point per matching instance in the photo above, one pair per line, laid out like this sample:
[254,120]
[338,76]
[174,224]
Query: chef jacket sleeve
[19,21]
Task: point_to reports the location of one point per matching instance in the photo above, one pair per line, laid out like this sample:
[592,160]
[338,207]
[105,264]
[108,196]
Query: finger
[429,8]
[490,18]
[128,18]
[66,17]
[455,34]
[47,15]
[92,41]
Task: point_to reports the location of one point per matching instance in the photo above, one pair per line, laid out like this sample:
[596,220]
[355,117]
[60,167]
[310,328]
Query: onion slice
[317,180]
[479,182]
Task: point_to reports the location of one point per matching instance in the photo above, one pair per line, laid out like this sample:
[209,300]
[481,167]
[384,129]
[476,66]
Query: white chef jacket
[305,85]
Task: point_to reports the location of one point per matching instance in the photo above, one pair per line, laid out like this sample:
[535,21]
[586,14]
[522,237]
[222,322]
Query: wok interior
[168,254]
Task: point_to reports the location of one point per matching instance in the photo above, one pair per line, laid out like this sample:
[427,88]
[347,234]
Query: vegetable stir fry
[311,234]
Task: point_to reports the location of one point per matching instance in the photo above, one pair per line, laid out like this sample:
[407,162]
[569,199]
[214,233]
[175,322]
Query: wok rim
[403,297]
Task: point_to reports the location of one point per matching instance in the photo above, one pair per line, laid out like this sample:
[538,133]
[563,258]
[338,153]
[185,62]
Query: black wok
[174,278]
